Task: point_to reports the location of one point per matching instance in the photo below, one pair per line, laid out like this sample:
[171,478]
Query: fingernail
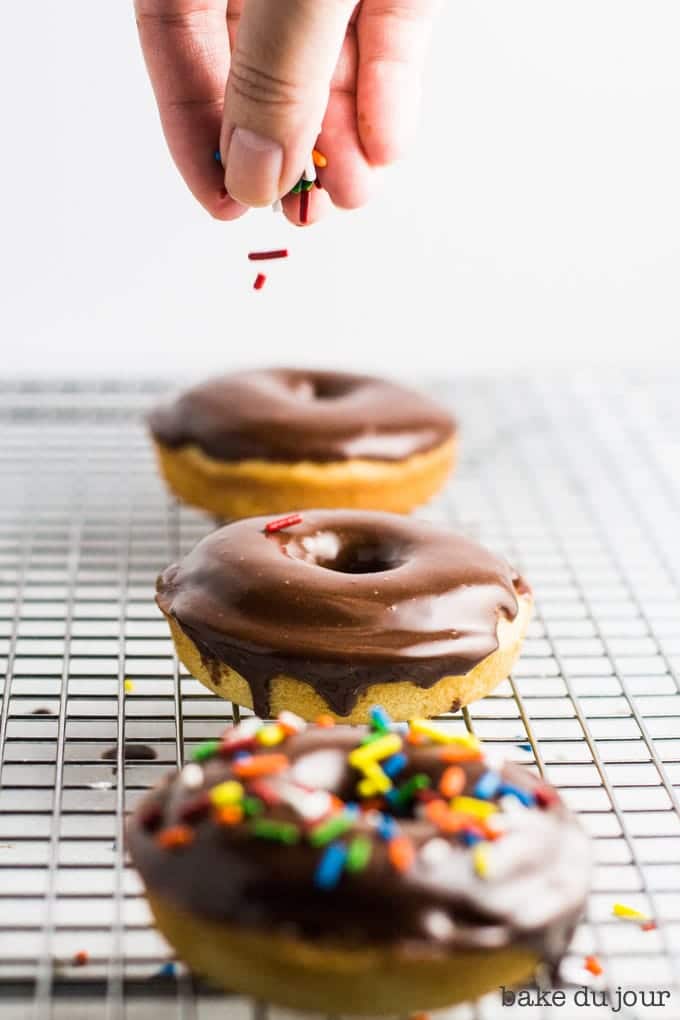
[253,168]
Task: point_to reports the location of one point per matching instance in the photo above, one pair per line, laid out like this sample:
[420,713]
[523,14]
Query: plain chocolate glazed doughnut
[343,602]
[348,854]
[258,441]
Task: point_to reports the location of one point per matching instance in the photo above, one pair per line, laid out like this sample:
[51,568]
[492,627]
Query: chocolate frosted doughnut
[353,870]
[343,609]
[261,441]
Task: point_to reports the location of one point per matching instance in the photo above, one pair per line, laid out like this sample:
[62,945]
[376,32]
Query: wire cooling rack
[575,481]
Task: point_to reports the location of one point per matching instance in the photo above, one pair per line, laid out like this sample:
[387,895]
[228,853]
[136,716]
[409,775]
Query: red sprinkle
[648,926]
[265,792]
[81,958]
[260,281]
[593,965]
[304,206]
[231,744]
[545,796]
[262,256]
[283,522]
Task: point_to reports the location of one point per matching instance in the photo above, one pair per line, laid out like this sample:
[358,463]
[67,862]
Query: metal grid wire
[575,481]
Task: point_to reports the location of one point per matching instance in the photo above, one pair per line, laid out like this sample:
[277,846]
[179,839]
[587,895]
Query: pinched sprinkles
[466,807]
[280,524]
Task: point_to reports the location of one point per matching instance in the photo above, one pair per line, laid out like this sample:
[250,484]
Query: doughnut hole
[353,555]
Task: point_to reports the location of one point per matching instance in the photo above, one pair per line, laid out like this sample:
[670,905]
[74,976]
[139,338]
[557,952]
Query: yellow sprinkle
[621,910]
[473,806]
[375,781]
[480,859]
[129,686]
[269,736]
[390,744]
[224,794]
[426,728]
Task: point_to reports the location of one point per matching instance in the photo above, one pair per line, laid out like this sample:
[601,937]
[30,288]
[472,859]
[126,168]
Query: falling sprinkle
[81,958]
[260,281]
[264,256]
[128,686]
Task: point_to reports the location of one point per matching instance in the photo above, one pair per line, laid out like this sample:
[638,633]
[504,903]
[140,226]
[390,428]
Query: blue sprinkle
[487,786]
[393,798]
[526,747]
[330,867]
[380,720]
[514,791]
[387,828]
[218,156]
[394,765]
[352,810]
[470,838]
[168,970]
[240,755]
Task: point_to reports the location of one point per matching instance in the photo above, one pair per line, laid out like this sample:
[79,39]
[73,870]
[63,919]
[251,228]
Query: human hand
[343,77]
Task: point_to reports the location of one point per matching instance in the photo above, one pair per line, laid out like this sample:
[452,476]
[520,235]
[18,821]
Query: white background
[536,222]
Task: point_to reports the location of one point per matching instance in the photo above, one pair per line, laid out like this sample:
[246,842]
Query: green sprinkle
[297,189]
[306,185]
[252,806]
[330,830]
[409,789]
[206,750]
[282,832]
[358,854]
[371,738]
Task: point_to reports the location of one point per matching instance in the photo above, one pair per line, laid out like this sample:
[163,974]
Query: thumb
[277,92]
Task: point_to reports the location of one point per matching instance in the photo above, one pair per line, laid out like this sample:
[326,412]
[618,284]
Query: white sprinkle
[438,924]
[435,851]
[290,719]
[310,170]
[192,776]
[277,206]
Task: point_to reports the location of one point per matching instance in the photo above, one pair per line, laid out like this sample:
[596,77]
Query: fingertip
[221,206]
[319,206]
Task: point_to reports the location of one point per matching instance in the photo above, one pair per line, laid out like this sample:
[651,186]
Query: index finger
[186,49]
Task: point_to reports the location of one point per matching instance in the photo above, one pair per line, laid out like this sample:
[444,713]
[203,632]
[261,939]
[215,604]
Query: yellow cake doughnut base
[306,975]
[403,700]
[249,487]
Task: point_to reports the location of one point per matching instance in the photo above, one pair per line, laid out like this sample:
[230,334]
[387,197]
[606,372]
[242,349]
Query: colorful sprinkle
[545,796]
[260,281]
[394,765]
[191,776]
[472,806]
[267,794]
[128,686]
[260,765]
[648,926]
[593,965]
[374,782]
[387,827]
[331,866]
[229,792]
[329,830]
[488,785]
[452,782]
[480,860]
[291,723]
[217,156]
[175,837]
[324,720]
[168,970]
[263,256]
[319,159]
[206,750]
[81,958]
[458,754]
[232,814]
[628,913]
[401,853]
[526,799]
[438,736]
[270,736]
[384,747]
[304,206]
[358,854]
[380,719]
[281,832]
[252,807]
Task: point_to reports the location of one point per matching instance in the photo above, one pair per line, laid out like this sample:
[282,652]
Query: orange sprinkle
[412,737]
[324,720]
[648,926]
[81,958]
[593,965]
[371,804]
[319,159]
[419,1016]
[401,853]
[232,814]
[454,753]
[176,836]
[450,821]
[452,781]
[260,765]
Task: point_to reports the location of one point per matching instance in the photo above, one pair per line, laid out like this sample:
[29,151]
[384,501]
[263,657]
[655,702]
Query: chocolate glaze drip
[344,600]
[293,415]
[533,896]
